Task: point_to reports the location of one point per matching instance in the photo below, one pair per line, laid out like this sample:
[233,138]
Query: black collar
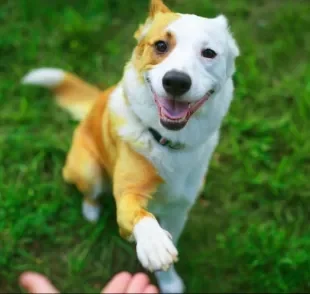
[164,141]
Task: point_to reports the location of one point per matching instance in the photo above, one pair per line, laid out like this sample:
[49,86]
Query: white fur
[184,170]
[193,34]
[155,249]
[90,212]
[46,77]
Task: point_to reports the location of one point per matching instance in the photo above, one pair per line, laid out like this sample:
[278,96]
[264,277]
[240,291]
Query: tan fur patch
[157,6]
[96,144]
[98,151]
[76,96]
[145,54]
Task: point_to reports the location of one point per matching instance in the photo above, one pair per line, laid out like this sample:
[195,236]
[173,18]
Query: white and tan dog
[152,135]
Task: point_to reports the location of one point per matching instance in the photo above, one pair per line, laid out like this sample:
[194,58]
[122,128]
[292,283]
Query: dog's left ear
[233,50]
[156,6]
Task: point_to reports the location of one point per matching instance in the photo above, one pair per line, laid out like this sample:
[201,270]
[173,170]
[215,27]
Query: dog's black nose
[176,83]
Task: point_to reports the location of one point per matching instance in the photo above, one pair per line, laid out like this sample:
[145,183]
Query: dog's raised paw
[155,248]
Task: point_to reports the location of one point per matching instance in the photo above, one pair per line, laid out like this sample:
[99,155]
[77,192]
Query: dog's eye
[208,53]
[161,46]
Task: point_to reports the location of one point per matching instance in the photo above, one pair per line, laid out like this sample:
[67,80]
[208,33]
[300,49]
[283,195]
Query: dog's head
[183,60]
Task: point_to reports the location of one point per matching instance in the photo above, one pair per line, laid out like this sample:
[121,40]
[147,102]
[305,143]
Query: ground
[249,231]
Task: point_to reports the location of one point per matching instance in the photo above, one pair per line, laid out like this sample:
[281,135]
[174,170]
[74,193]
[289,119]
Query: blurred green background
[248,232]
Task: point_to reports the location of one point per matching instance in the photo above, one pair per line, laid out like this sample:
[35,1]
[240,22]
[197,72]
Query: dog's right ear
[156,6]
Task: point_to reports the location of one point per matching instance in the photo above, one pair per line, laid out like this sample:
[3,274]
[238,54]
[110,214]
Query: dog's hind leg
[83,170]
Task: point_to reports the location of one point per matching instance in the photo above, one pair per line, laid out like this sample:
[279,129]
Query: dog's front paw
[155,248]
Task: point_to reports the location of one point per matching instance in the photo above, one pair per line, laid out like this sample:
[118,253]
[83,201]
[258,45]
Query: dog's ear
[157,6]
[233,50]
[143,28]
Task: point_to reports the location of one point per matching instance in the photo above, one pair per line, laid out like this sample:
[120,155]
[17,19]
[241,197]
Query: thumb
[36,283]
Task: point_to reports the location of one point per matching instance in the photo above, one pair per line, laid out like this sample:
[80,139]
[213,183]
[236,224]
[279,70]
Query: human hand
[123,282]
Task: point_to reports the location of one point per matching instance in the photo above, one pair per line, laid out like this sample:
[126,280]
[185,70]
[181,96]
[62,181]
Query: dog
[151,136]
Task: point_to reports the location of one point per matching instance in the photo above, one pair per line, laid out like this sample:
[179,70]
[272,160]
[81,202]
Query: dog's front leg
[135,181]
[173,219]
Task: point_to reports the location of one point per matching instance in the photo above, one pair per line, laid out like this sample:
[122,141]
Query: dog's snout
[176,83]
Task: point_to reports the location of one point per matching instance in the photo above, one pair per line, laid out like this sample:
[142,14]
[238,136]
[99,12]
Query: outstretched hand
[121,283]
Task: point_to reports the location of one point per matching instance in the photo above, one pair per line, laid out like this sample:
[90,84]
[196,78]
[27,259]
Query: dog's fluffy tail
[72,94]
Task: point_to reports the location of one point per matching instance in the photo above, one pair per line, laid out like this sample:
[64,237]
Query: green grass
[248,232]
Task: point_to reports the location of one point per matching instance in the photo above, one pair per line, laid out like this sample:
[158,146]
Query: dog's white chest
[182,173]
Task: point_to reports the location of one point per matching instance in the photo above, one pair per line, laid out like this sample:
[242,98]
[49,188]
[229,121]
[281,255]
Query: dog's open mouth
[174,114]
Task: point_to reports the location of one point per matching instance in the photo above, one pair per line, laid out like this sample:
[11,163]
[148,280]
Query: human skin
[122,282]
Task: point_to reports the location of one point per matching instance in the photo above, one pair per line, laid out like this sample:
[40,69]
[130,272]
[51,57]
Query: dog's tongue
[173,109]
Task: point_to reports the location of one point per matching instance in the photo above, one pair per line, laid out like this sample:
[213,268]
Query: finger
[151,289]
[138,283]
[118,284]
[36,283]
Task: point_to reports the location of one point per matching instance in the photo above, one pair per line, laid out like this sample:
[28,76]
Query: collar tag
[165,142]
